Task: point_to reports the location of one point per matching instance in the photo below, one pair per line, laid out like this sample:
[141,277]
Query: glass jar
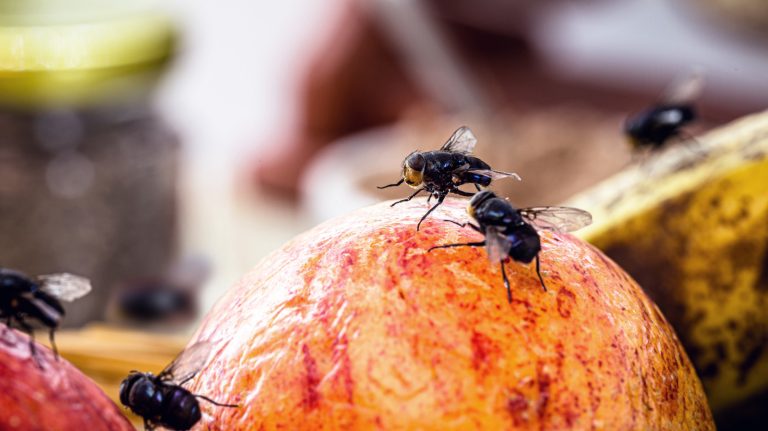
[87,170]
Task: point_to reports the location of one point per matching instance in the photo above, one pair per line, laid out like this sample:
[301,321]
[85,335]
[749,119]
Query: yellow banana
[691,225]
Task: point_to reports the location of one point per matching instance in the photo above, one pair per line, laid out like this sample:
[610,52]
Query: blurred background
[168,146]
[290,114]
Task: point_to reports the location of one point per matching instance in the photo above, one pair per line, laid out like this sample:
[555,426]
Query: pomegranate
[354,325]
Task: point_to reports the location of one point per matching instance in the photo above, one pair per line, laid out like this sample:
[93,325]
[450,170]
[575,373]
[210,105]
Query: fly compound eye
[415,162]
[412,177]
[413,169]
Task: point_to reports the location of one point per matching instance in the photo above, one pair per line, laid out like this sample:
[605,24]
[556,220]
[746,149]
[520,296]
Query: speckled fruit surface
[353,325]
[57,397]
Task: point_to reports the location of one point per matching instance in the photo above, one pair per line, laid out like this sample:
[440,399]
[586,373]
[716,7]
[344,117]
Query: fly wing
[495,175]
[66,287]
[685,88]
[187,364]
[462,141]
[497,244]
[561,219]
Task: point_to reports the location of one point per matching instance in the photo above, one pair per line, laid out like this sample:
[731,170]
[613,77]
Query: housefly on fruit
[442,171]
[23,300]
[655,126]
[509,232]
[162,400]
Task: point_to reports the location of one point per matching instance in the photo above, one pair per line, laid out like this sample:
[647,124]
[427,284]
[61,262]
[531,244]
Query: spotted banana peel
[691,226]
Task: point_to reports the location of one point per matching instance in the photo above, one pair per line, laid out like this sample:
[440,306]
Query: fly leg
[462,244]
[637,156]
[440,200]
[215,403]
[7,326]
[506,282]
[53,343]
[32,350]
[538,272]
[408,198]
[477,186]
[474,227]
[187,378]
[391,185]
[692,144]
[6,329]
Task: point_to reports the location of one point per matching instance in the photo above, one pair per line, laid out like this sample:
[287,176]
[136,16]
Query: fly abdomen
[657,125]
[181,409]
[475,163]
[50,300]
[473,177]
[144,398]
[526,243]
[40,310]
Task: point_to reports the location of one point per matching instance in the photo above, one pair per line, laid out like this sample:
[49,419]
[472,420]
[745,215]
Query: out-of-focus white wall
[234,84]
[642,42]
[235,78]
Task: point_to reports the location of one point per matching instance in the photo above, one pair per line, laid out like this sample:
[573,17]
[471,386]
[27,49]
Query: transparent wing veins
[462,141]
[497,244]
[187,364]
[64,286]
[496,175]
[561,219]
[685,88]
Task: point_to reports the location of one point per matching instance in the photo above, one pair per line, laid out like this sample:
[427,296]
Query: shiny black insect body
[161,400]
[443,171]
[154,301]
[657,125]
[165,299]
[24,301]
[654,127]
[509,232]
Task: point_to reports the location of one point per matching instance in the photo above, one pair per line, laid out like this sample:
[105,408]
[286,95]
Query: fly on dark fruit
[161,400]
[509,232]
[654,127]
[442,171]
[24,300]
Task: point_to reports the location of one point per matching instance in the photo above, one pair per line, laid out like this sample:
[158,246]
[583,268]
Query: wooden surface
[107,354]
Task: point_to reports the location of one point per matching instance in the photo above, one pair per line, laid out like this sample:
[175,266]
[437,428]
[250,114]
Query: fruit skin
[56,398]
[353,325]
[691,226]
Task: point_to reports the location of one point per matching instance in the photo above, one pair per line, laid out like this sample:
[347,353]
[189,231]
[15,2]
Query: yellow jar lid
[63,51]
